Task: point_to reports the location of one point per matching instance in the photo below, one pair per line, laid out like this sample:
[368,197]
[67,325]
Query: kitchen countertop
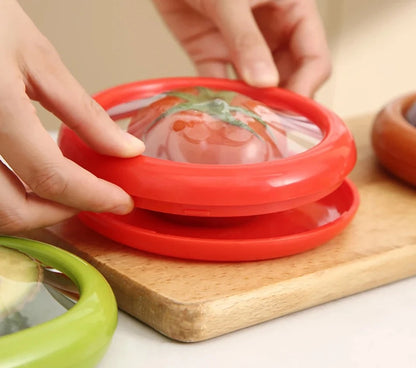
[376,328]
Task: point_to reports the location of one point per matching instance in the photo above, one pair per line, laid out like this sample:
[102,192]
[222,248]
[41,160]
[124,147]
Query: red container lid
[221,190]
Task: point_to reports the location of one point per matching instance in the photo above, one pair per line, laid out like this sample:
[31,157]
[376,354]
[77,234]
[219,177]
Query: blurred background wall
[108,42]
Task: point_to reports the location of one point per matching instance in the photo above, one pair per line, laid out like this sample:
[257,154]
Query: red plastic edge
[114,228]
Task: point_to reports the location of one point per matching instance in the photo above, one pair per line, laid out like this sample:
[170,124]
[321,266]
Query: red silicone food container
[196,197]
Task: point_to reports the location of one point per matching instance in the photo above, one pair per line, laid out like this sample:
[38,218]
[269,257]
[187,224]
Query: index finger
[37,160]
[310,50]
[249,50]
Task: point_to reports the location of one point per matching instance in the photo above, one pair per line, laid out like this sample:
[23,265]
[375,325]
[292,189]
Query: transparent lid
[31,293]
[207,126]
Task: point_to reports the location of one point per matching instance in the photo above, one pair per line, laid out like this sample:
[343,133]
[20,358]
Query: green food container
[56,310]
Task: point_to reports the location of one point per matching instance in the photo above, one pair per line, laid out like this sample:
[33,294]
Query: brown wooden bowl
[394,139]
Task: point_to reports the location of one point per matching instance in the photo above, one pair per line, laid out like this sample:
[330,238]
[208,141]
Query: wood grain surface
[193,301]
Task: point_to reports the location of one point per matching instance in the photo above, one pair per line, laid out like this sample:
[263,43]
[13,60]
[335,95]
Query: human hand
[269,43]
[45,187]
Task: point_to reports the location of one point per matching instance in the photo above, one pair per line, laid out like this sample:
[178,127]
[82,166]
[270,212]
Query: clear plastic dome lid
[31,293]
[209,126]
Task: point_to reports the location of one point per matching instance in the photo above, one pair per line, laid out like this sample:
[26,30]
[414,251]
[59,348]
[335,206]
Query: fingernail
[260,74]
[136,146]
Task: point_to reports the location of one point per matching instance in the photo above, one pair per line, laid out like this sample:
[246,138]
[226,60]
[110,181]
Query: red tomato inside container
[208,126]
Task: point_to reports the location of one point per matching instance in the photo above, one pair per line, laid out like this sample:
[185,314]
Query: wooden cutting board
[193,301]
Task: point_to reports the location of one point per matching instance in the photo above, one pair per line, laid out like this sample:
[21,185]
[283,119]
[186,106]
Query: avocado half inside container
[230,172]
[55,309]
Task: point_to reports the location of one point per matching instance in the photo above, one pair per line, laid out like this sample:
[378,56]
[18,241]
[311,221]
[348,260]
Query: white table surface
[376,328]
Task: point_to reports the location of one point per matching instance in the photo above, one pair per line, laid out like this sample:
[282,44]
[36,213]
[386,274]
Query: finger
[22,211]
[249,51]
[309,76]
[56,89]
[36,159]
[198,35]
[212,68]
[209,61]
[310,51]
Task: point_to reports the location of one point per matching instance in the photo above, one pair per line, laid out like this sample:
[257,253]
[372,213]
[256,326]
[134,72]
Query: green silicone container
[77,338]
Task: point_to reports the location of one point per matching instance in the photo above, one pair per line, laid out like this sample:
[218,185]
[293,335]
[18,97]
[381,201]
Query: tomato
[206,126]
